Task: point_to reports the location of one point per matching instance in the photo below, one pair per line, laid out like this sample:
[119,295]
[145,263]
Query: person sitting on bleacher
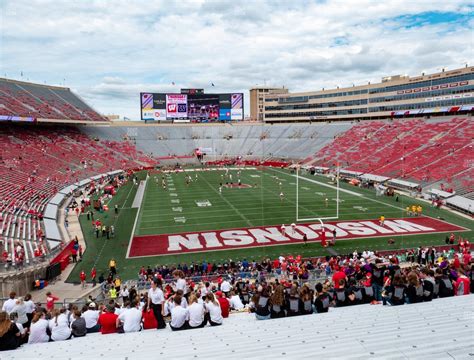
[213,310]
[340,294]
[306,303]
[108,319]
[323,300]
[394,293]
[179,315]
[224,304]
[414,291]
[277,302]
[445,284]
[78,325]
[293,302]
[59,326]
[196,312]
[130,320]
[91,315]
[260,303]
[235,301]
[428,282]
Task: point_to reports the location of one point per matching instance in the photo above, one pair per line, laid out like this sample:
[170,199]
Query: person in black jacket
[261,304]
[446,288]
[414,291]
[306,300]
[340,294]
[428,283]
[394,294]
[293,302]
[323,300]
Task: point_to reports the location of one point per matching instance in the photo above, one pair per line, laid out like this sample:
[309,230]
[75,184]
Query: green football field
[199,206]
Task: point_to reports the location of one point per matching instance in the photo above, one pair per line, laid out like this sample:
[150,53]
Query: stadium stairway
[437,330]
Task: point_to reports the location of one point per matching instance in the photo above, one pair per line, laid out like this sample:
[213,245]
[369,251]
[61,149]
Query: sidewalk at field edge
[59,287]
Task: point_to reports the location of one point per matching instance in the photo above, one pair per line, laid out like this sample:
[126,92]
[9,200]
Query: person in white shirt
[20,309]
[131,319]
[226,287]
[169,304]
[30,308]
[124,293]
[180,281]
[38,329]
[179,315]
[205,289]
[213,310]
[196,313]
[156,298]
[59,326]
[10,303]
[91,316]
[235,301]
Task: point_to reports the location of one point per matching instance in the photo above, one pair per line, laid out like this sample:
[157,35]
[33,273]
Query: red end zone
[193,242]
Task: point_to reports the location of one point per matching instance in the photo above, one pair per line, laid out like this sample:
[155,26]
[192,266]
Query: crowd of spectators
[175,298]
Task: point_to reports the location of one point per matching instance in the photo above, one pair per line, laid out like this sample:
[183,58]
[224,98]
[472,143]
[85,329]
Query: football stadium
[139,199]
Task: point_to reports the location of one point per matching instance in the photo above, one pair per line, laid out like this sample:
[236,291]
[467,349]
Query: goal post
[306,215]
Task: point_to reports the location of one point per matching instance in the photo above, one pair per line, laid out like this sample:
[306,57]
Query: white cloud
[111,51]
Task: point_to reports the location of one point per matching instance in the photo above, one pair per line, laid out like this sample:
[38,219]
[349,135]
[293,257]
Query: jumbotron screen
[193,106]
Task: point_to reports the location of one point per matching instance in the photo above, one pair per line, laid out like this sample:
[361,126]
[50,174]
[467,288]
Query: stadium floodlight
[317,218]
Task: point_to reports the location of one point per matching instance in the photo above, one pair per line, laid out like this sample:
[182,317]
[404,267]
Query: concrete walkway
[59,287]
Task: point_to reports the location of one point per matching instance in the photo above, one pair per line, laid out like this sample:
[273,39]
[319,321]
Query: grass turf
[258,205]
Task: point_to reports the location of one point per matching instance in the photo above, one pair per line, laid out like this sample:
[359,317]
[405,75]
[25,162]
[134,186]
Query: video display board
[192,106]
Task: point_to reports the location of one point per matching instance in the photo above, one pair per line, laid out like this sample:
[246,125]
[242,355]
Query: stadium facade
[441,93]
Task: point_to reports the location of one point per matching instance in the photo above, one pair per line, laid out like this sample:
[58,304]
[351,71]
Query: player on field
[293,228]
[326,202]
[408,211]
[323,237]
[282,196]
[419,210]
[382,220]
[305,239]
[220,188]
[283,229]
[196,177]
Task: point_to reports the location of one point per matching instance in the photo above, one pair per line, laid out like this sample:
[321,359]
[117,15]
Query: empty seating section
[48,102]
[289,141]
[36,162]
[418,150]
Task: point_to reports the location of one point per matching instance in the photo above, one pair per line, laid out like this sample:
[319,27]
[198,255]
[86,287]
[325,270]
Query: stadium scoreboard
[192,105]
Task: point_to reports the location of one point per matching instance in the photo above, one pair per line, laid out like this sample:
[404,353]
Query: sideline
[137,215]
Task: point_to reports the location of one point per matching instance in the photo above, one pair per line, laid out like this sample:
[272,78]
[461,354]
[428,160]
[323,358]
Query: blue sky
[109,51]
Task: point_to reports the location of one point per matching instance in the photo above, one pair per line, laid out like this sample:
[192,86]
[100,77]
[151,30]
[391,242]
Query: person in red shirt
[462,285]
[149,319]
[108,320]
[466,258]
[338,275]
[82,276]
[323,237]
[224,303]
[93,276]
